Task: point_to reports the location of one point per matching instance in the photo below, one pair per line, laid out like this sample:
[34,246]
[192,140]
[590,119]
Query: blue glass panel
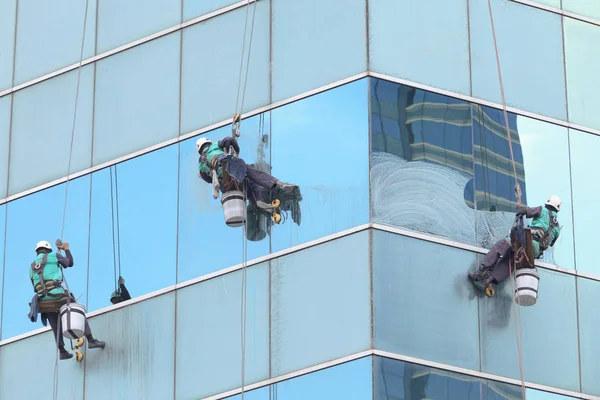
[584,162]
[42,127]
[552,3]
[436,55]
[542,163]
[49,36]
[583,78]
[544,346]
[320,304]
[396,379]
[531,56]
[28,368]
[142,208]
[5,104]
[121,22]
[352,380]
[8,14]
[587,8]
[320,54]
[209,333]
[589,326]
[421,161]
[138,361]
[202,227]
[210,84]
[2,231]
[321,144]
[137,98]
[32,219]
[196,8]
[410,317]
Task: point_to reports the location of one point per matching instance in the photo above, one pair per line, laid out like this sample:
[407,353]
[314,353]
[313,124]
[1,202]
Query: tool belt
[541,236]
[42,290]
[51,306]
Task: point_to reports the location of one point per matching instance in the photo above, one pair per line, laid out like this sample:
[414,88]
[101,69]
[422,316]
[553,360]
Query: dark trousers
[498,259]
[257,179]
[54,319]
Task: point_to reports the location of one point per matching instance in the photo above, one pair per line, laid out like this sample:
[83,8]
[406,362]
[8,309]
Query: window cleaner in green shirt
[47,280]
[211,170]
[545,229]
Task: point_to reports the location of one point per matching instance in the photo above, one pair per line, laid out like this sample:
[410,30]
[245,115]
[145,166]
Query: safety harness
[542,236]
[43,288]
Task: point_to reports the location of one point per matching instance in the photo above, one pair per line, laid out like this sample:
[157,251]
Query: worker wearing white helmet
[211,155]
[545,230]
[47,279]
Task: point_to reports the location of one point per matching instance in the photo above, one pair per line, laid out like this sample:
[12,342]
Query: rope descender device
[235,125]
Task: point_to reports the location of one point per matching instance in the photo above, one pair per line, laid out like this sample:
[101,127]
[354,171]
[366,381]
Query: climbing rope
[114,198]
[236,133]
[237,114]
[518,321]
[62,229]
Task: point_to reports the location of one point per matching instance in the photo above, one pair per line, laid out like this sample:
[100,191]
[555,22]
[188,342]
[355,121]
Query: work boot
[64,354]
[480,278]
[95,343]
[286,187]
[264,206]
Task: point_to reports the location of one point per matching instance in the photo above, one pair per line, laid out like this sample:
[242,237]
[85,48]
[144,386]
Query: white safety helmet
[201,142]
[43,245]
[554,201]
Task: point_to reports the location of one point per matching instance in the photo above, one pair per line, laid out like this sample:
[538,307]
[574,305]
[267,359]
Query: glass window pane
[42,127]
[542,161]
[210,84]
[209,332]
[589,326]
[32,219]
[137,98]
[445,44]
[196,8]
[202,227]
[19,361]
[121,22]
[5,104]
[142,207]
[138,360]
[352,381]
[321,144]
[412,319]
[587,8]
[8,14]
[544,345]
[395,379]
[421,161]
[586,214]
[320,303]
[320,54]
[583,72]
[2,231]
[552,3]
[49,36]
[531,57]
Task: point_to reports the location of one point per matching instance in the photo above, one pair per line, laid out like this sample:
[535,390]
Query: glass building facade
[386,113]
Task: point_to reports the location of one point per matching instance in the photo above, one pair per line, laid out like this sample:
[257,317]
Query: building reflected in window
[441,165]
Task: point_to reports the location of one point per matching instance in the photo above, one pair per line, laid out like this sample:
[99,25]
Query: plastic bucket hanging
[257,226]
[527,280]
[72,320]
[234,208]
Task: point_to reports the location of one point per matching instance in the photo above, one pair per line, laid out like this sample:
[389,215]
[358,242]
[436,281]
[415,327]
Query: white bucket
[72,320]
[527,280]
[234,208]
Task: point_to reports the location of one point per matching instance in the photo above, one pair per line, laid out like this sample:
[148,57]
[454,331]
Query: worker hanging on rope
[216,158]
[47,280]
[545,230]
[121,293]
